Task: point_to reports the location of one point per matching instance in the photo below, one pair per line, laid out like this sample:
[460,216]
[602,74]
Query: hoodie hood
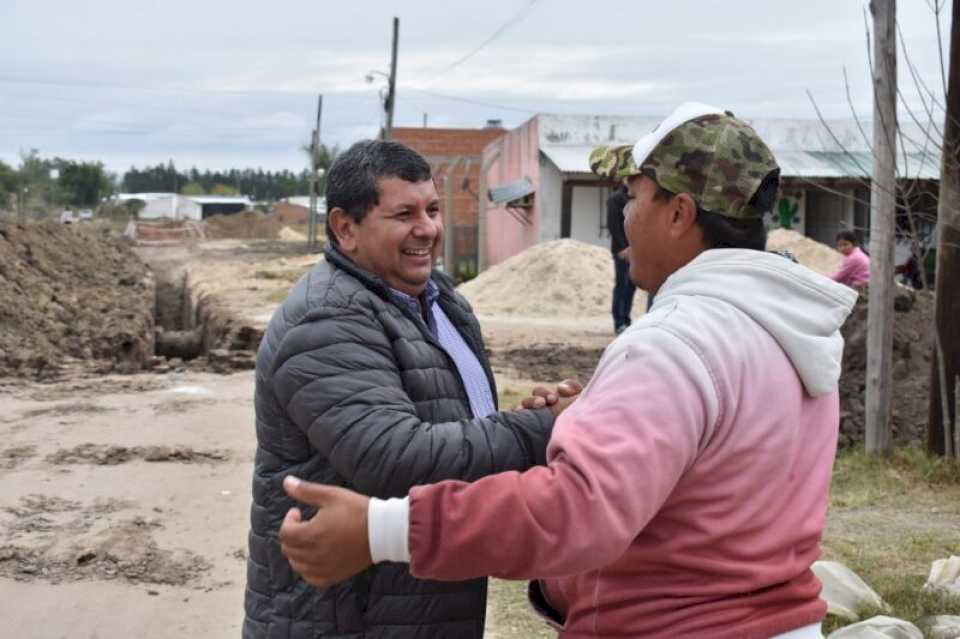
[800,308]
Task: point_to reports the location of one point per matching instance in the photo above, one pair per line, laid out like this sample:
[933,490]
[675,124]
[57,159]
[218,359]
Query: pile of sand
[67,292]
[812,254]
[562,278]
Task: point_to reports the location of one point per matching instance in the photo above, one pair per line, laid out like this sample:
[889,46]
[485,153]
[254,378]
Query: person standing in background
[623,288]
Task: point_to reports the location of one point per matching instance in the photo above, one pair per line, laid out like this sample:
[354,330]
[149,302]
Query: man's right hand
[556,400]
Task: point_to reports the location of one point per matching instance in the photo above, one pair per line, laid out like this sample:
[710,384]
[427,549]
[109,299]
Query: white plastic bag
[844,591]
[879,627]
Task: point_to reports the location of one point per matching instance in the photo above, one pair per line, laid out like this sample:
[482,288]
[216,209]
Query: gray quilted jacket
[353,390]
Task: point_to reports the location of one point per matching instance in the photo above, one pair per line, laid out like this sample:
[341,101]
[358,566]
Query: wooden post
[942,432]
[882,225]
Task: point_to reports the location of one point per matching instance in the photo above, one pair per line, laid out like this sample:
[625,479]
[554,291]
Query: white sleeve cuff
[388,529]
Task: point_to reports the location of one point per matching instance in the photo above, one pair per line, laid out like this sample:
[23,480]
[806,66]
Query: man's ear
[344,228]
[684,214]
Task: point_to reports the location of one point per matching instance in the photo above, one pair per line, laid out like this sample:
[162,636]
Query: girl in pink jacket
[855,270]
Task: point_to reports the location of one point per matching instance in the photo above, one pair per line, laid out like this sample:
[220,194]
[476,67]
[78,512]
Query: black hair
[721,231]
[352,180]
[849,236]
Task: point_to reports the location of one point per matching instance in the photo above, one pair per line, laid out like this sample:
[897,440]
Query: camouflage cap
[716,158]
[613,162]
[700,150]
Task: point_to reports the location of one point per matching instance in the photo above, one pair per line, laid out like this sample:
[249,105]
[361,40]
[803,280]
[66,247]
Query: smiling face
[399,237]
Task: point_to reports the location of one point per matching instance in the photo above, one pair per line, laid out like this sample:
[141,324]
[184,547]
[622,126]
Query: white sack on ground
[942,626]
[844,591]
[945,575]
[879,627]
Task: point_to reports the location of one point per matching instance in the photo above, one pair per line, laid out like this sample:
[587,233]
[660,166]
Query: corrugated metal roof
[803,148]
[511,191]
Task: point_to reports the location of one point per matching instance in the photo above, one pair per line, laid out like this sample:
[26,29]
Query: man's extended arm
[339,381]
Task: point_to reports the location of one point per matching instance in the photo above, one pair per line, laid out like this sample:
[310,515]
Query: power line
[520,15]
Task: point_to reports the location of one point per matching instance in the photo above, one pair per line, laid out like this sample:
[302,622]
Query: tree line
[41,184]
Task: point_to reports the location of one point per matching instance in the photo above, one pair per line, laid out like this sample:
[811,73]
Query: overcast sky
[220,84]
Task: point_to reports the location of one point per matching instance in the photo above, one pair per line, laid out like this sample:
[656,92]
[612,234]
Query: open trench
[192,328]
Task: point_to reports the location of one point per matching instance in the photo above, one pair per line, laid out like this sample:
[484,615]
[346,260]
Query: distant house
[174,206]
[455,159]
[541,187]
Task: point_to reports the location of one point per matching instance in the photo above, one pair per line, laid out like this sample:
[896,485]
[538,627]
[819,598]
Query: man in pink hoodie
[686,488]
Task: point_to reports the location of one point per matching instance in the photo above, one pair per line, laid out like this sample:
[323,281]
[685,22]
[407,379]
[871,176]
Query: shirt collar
[430,295]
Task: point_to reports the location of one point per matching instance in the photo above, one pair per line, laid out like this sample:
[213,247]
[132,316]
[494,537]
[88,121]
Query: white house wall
[550,194]
[174,208]
[588,215]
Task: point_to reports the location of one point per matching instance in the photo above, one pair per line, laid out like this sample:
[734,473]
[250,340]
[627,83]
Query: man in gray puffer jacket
[372,375]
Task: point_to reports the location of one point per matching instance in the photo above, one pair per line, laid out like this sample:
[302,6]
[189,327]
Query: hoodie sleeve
[615,456]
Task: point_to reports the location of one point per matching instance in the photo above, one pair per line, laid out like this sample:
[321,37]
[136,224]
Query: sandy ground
[113,545]
[124,502]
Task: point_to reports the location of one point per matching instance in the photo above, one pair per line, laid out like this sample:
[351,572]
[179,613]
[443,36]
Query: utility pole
[943,436]
[392,90]
[314,149]
[882,224]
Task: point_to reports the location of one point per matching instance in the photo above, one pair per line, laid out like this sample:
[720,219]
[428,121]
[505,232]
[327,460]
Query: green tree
[83,183]
[321,157]
[193,188]
[8,184]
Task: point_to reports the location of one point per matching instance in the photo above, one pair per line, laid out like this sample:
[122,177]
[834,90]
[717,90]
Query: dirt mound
[551,361]
[106,455]
[563,278]
[69,292]
[56,540]
[812,254]
[247,224]
[912,345]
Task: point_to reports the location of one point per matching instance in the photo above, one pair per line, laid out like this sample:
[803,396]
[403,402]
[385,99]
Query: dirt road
[124,505]
[124,500]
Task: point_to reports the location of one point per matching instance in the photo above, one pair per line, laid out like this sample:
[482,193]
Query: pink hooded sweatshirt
[686,489]
[855,269]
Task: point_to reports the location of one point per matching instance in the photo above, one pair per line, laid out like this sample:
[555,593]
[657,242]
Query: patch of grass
[907,601]
[890,518]
[510,615]
[278,296]
[509,397]
[860,479]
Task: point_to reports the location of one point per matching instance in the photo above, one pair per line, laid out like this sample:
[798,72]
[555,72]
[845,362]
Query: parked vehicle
[67,217]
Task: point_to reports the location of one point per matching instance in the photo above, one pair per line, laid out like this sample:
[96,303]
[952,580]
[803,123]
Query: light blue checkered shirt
[471,371]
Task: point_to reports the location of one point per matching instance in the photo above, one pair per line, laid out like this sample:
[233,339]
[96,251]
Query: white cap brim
[682,114]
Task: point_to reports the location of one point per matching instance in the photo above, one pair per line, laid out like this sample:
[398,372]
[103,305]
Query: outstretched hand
[333,545]
[556,400]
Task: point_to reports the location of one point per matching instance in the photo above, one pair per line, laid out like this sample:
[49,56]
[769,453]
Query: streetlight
[385,100]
